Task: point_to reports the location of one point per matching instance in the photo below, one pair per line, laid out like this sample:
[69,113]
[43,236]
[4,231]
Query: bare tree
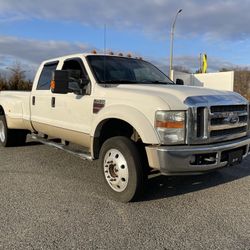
[3,82]
[17,79]
[242,83]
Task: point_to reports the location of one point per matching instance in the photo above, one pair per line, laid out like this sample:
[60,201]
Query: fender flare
[12,107]
[130,115]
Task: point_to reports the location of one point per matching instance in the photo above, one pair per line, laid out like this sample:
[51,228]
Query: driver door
[72,113]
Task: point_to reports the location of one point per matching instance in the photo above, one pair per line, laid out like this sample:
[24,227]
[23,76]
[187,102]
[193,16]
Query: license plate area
[233,157]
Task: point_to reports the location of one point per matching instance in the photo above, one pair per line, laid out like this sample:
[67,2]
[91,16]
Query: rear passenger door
[41,115]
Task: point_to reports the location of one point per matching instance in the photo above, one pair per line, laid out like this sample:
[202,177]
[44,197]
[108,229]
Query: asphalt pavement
[50,199]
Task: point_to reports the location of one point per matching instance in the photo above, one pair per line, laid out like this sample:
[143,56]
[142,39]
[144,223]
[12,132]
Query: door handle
[33,100]
[53,102]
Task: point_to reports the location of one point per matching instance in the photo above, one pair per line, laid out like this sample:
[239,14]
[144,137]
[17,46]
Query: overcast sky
[31,31]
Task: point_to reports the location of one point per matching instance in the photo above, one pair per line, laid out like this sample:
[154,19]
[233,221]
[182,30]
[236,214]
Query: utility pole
[172,42]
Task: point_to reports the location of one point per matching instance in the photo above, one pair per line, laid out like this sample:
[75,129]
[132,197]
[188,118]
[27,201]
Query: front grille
[227,121]
[230,131]
[218,123]
[200,123]
[228,108]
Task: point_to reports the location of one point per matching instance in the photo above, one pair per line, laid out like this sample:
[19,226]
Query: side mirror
[60,82]
[179,82]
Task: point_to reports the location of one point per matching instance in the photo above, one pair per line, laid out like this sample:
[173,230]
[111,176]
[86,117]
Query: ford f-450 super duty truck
[131,117]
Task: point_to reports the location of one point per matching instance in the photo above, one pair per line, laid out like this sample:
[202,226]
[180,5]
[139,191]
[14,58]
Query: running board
[81,154]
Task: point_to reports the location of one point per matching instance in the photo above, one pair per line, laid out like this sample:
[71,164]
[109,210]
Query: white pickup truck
[131,117]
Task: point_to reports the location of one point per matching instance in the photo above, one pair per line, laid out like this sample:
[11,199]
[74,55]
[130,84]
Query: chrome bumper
[184,160]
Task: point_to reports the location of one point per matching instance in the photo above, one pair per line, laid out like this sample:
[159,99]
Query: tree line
[16,79]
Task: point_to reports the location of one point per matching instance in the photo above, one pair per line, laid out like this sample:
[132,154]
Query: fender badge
[98,105]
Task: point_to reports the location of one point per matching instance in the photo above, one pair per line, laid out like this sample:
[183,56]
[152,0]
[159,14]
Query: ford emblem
[233,118]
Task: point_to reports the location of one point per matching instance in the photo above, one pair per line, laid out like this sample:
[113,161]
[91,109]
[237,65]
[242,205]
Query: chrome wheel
[116,170]
[2,131]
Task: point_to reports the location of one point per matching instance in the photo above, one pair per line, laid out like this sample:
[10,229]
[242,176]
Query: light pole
[172,43]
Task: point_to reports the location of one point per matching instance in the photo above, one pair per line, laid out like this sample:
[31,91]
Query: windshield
[112,69]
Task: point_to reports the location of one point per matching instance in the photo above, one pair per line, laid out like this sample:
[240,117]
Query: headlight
[171,126]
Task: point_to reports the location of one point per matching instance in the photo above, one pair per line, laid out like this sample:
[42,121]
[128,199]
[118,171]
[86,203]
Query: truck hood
[177,97]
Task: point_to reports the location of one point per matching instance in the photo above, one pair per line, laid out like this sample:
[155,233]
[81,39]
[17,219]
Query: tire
[11,137]
[122,169]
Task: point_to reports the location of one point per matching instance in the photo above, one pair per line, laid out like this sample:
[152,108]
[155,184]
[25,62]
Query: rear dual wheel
[122,169]
[11,137]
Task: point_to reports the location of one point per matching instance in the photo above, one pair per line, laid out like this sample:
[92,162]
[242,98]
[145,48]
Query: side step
[83,155]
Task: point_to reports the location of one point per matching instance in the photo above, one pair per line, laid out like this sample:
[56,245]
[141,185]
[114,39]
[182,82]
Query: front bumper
[187,160]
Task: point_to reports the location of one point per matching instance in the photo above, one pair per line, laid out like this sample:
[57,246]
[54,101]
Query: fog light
[203,159]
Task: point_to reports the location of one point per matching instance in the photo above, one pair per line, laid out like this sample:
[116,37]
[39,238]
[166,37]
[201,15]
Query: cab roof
[62,58]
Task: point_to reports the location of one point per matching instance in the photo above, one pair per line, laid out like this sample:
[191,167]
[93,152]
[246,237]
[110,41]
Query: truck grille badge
[232,118]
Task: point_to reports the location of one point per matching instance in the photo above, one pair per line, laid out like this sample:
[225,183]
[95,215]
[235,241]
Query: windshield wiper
[119,81]
[133,81]
[160,82]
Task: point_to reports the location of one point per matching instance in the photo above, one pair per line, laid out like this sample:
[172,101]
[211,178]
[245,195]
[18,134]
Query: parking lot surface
[50,199]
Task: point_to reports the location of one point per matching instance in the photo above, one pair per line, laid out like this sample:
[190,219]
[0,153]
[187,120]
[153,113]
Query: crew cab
[130,116]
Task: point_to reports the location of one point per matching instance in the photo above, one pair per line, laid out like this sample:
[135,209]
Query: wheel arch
[2,110]
[12,107]
[125,119]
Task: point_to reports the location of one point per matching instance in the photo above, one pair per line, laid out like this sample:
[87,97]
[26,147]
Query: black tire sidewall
[136,178]
[13,137]
[2,118]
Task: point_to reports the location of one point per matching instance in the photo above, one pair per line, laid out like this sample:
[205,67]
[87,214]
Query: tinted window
[46,76]
[77,72]
[125,70]
[74,66]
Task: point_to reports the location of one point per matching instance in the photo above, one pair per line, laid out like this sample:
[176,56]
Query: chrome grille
[217,123]
[227,121]
[228,108]
[216,133]
[216,118]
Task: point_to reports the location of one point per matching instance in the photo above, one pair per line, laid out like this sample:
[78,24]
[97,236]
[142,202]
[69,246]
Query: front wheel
[122,169]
